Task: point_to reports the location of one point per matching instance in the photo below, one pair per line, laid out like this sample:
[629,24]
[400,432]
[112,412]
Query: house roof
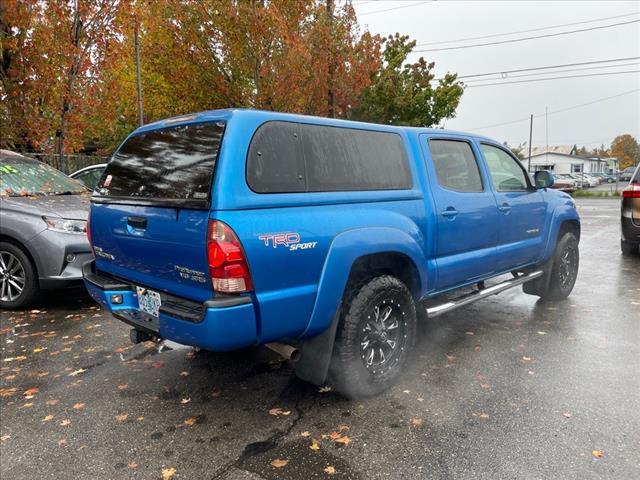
[562,149]
[575,157]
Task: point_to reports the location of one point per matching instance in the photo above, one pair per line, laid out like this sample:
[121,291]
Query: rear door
[151,209]
[521,209]
[466,233]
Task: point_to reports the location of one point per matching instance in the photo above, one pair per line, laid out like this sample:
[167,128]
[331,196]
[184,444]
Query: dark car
[630,215]
[43,224]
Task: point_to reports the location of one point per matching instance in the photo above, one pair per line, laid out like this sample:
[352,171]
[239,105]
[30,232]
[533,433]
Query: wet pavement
[507,388]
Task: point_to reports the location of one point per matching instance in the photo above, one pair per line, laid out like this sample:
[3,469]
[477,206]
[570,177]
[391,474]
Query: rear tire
[628,248]
[18,278]
[375,337]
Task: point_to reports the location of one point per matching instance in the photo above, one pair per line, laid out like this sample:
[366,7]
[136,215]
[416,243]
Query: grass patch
[596,194]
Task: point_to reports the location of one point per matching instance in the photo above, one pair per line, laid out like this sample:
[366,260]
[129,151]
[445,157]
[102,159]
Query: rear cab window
[456,165]
[172,165]
[287,157]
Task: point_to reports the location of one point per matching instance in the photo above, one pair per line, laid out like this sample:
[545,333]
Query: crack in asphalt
[270,442]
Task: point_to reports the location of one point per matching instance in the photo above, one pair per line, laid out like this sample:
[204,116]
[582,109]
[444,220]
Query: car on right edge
[630,215]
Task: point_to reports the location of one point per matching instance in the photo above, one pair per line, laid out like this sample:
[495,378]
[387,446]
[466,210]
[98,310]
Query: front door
[521,209]
[466,227]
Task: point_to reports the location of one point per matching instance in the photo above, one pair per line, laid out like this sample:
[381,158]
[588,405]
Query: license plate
[149,301]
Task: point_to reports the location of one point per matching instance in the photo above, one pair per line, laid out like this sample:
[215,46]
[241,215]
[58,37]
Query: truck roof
[227,114]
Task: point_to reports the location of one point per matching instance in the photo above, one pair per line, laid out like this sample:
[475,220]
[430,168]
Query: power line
[572,107]
[397,8]
[597,67]
[529,69]
[527,38]
[527,31]
[553,78]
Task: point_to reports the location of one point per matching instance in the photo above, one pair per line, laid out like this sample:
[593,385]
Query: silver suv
[43,225]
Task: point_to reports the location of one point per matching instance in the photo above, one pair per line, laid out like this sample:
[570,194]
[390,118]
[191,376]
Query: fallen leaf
[541,333]
[598,453]
[483,415]
[567,415]
[47,418]
[276,412]
[167,473]
[185,400]
[4,438]
[31,392]
[132,465]
[78,406]
[416,422]
[52,402]
[62,441]
[305,434]
[330,470]
[486,386]
[123,386]
[122,417]
[278,463]
[75,373]
[343,440]
[324,389]
[140,419]
[469,333]
[190,421]
[526,359]
[65,423]
[184,373]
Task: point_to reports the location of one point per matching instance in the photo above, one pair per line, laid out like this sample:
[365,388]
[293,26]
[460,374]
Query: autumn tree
[403,93]
[53,53]
[626,149]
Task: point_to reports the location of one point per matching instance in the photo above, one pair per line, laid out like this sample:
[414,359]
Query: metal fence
[68,163]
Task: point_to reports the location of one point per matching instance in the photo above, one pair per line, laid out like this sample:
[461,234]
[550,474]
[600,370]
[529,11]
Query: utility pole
[330,69]
[530,134]
[137,46]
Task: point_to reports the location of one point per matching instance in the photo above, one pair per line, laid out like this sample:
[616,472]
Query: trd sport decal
[290,241]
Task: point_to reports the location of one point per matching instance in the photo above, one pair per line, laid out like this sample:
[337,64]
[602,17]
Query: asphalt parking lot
[508,388]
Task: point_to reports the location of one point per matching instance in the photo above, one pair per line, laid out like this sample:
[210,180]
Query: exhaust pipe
[284,350]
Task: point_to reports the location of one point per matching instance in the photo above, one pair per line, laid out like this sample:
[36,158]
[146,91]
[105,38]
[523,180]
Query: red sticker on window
[107,181]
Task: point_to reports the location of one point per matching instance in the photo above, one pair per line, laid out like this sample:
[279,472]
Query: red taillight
[227,263]
[632,191]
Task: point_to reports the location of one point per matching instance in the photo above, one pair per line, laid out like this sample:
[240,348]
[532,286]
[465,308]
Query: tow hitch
[138,336]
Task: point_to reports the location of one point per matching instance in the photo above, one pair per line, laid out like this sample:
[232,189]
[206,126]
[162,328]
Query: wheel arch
[18,244]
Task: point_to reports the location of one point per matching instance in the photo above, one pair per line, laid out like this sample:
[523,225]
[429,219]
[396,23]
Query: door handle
[504,208]
[450,213]
[139,223]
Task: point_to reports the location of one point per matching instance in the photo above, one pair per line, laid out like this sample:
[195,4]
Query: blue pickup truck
[325,240]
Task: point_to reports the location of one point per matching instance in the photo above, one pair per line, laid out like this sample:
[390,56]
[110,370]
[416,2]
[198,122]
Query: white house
[563,159]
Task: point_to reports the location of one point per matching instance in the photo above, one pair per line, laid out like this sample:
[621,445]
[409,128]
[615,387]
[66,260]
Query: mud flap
[316,353]
[540,285]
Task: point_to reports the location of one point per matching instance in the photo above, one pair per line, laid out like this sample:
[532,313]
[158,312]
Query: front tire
[628,248]
[375,337]
[564,272]
[18,279]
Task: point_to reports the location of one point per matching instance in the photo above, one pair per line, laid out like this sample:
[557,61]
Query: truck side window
[506,172]
[286,157]
[456,165]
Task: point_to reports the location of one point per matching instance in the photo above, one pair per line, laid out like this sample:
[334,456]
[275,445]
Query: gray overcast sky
[590,125]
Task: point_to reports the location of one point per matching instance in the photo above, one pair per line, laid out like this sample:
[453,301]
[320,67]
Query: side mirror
[543,179]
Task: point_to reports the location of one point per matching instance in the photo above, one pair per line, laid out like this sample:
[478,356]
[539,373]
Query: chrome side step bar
[482,293]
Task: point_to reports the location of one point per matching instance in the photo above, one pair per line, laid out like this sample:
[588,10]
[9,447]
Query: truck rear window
[171,164]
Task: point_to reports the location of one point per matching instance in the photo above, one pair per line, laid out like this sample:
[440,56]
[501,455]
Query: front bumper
[221,324]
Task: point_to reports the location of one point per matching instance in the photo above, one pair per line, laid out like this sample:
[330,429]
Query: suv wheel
[375,337]
[628,248]
[18,284]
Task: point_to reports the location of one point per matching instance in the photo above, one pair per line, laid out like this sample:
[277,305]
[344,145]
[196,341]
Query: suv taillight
[89,229]
[227,263]
[632,191]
